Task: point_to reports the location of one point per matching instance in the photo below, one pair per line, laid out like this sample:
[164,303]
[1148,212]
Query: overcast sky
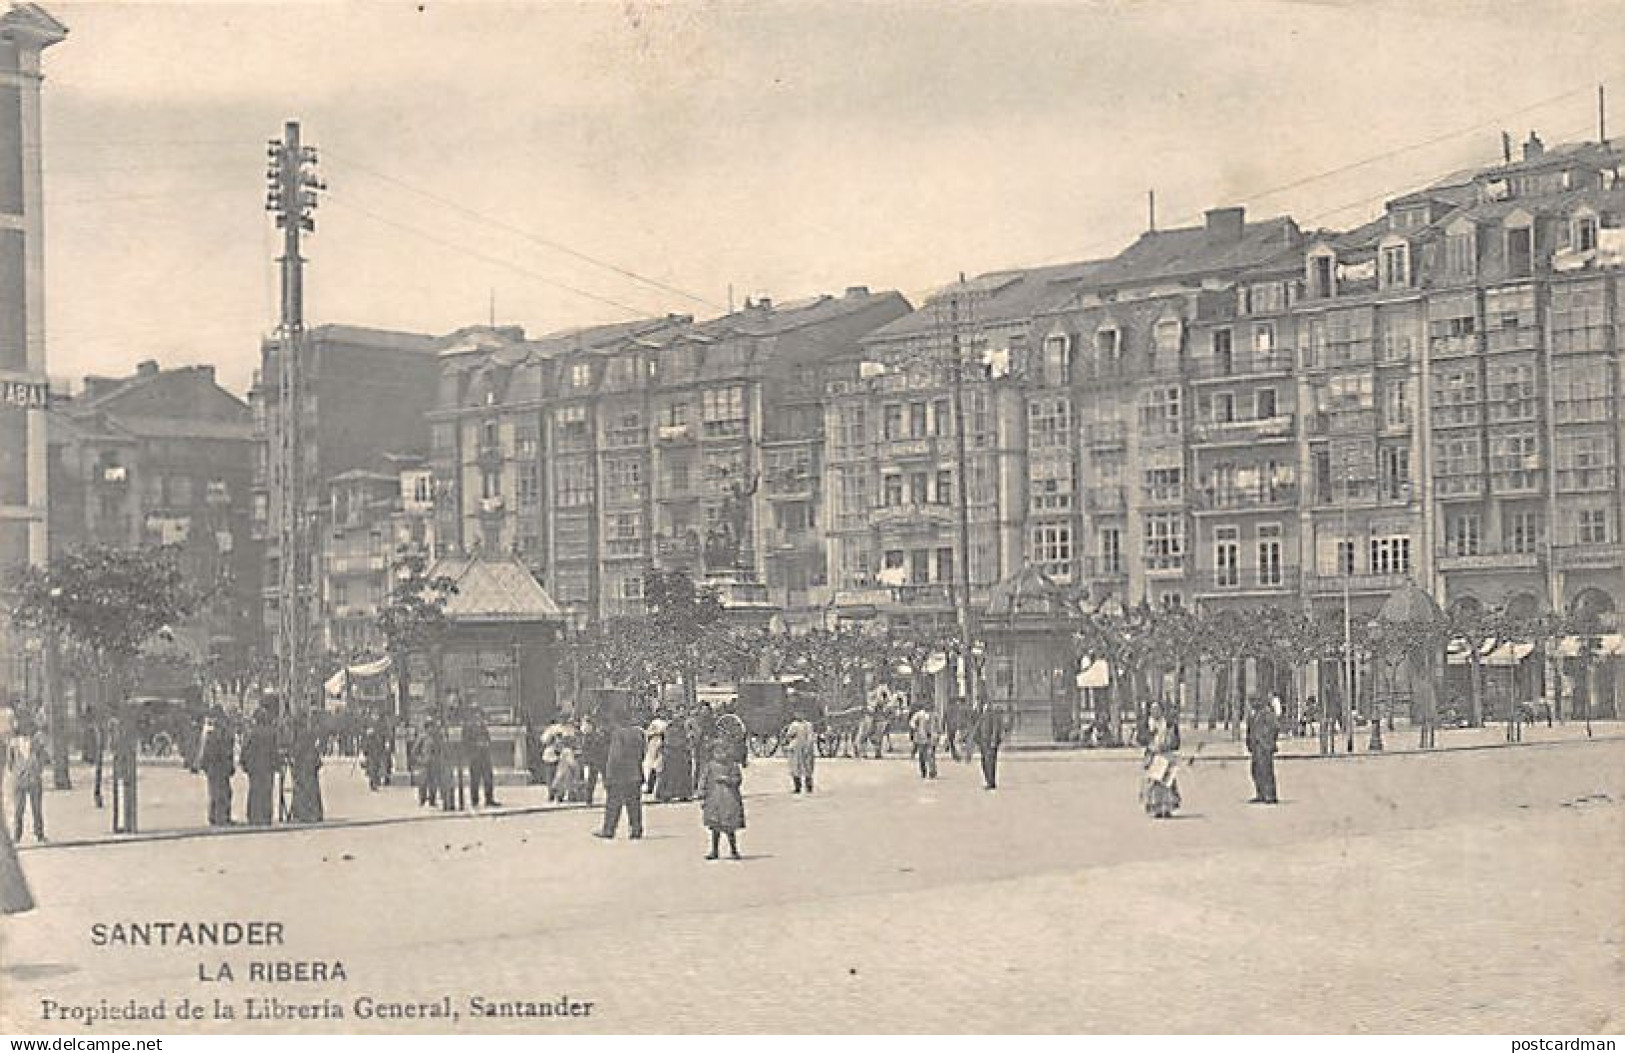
[781,148]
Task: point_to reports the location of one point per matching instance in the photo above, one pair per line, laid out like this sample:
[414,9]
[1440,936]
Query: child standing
[723,808]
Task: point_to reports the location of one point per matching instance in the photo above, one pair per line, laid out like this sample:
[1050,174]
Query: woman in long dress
[654,752]
[1159,789]
[15,898]
[676,779]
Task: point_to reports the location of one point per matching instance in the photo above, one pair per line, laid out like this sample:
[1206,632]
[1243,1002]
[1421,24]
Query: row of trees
[1157,652]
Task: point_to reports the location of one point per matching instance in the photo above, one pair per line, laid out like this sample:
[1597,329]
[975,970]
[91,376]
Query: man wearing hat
[26,758]
[1262,731]
[623,779]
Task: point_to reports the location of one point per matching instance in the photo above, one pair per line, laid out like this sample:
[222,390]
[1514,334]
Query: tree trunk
[56,713]
[1475,687]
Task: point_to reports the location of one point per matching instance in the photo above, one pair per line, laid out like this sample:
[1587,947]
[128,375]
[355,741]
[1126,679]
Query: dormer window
[581,374]
[1057,359]
[1166,336]
[1108,344]
[1520,245]
[1461,252]
[1584,232]
[1395,265]
[1322,275]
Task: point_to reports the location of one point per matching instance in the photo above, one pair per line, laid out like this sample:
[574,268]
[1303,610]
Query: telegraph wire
[476,254]
[520,232]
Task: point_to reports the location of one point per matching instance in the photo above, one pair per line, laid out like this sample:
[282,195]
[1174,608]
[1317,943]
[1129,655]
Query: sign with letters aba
[25,394]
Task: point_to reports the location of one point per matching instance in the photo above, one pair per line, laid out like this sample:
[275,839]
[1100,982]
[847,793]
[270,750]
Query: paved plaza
[1472,890]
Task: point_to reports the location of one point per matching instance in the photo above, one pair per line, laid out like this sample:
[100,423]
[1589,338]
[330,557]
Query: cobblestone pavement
[1475,890]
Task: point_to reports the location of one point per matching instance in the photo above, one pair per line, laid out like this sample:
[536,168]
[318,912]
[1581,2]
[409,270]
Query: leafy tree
[414,618]
[107,604]
[681,617]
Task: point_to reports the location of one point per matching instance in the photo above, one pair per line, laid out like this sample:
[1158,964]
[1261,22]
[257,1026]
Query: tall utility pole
[958,313]
[292,186]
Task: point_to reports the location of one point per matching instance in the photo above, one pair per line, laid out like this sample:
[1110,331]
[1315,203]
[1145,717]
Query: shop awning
[1095,674]
[361,670]
[1505,655]
[1609,645]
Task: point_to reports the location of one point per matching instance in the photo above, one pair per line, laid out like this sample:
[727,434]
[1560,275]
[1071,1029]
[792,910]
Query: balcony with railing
[1596,556]
[1104,499]
[915,448]
[1244,498]
[1485,557]
[1276,364]
[1278,428]
[1101,568]
[489,454]
[1242,581]
[1164,564]
[1583,410]
[1518,480]
[624,547]
[1591,478]
[912,516]
[1360,421]
[790,486]
[1105,434]
[1321,584]
[1466,484]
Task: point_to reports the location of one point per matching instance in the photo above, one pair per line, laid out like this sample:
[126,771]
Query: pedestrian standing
[566,784]
[731,732]
[431,755]
[1262,732]
[676,779]
[26,757]
[477,748]
[1159,787]
[801,742]
[988,731]
[594,755]
[922,728]
[215,760]
[307,768]
[623,781]
[15,897]
[723,806]
[259,761]
[654,751]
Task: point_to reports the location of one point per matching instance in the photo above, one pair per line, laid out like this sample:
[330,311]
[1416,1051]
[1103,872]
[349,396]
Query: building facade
[367,393]
[597,453]
[26,30]
[165,456]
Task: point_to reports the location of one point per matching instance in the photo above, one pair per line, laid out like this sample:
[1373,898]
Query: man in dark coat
[988,731]
[215,760]
[376,741]
[477,747]
[623,780]
[594,754]
[1262,731]
[260,761]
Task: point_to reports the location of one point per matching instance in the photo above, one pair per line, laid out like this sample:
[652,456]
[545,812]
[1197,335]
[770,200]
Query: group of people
[451,745]
[265,750]
[680,756]
[984,733]
[1159,786]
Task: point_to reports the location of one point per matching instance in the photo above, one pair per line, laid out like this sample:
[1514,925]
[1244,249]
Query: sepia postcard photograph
[812,517]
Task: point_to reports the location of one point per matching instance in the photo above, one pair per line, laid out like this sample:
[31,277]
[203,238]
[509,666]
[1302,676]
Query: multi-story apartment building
[26,30]
[164,457]
[600,452]
[366,393]
[375,519]
[893,466]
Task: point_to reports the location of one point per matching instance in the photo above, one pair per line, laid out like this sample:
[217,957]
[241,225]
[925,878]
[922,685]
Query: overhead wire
[531,236]
[486,257]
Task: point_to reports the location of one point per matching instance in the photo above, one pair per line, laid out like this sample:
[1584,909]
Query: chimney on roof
[764,303]
[206,371]
[1226,224]
[855,291]
[1533,147]
[148,368]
